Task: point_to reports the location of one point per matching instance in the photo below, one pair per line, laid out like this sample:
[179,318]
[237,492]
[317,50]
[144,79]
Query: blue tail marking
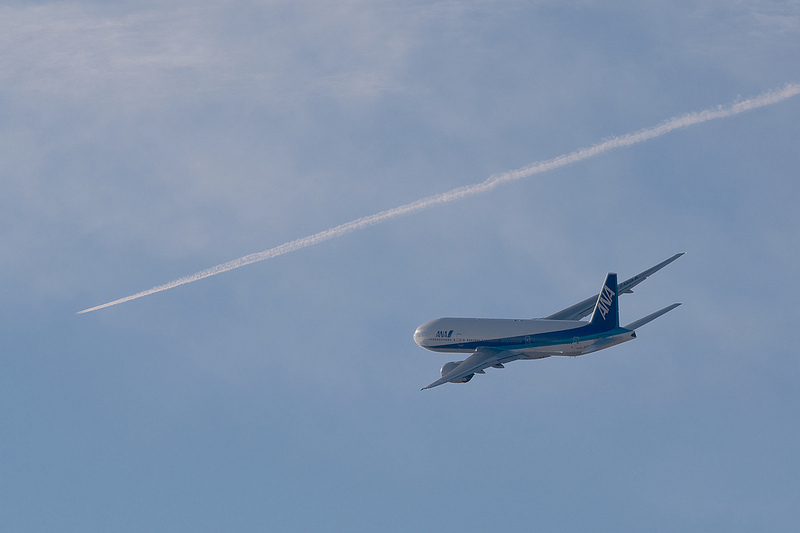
[606,310]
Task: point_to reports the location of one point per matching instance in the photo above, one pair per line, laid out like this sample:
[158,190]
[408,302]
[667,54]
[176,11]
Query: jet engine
[448,367]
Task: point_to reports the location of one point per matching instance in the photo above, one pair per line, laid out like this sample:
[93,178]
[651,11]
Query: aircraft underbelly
[555,350]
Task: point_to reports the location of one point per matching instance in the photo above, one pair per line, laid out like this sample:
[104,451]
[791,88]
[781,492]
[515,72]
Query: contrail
[683,121]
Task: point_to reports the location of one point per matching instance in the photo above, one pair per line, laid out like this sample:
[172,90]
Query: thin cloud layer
[87,50]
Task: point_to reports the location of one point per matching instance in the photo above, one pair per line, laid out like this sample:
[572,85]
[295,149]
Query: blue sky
[143,141]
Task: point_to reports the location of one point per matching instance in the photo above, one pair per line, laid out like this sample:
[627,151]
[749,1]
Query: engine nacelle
[448,367]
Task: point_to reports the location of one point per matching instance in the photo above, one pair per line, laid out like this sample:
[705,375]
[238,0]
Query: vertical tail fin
[606,310]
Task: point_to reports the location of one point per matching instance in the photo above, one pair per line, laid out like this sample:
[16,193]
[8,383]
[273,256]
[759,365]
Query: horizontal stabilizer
[642,321]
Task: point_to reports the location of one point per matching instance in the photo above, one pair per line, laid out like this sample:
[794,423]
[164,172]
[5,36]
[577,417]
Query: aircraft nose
[419,336]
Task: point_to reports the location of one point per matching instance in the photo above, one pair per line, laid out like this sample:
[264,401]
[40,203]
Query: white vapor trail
[683,121]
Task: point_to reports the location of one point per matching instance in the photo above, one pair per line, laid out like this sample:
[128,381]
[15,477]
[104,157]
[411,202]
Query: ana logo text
[444,334]
[604,302]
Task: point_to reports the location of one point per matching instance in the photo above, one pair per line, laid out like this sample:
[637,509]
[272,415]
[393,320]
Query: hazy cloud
[277,50]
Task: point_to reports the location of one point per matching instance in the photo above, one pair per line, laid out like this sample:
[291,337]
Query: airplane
[493,342]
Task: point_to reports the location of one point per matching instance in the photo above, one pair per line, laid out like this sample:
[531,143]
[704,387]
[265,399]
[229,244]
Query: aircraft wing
[475,363]
[585,307]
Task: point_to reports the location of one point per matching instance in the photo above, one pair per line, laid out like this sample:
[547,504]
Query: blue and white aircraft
[494,342]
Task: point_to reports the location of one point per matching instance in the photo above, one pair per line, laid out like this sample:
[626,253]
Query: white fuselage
[532,338]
